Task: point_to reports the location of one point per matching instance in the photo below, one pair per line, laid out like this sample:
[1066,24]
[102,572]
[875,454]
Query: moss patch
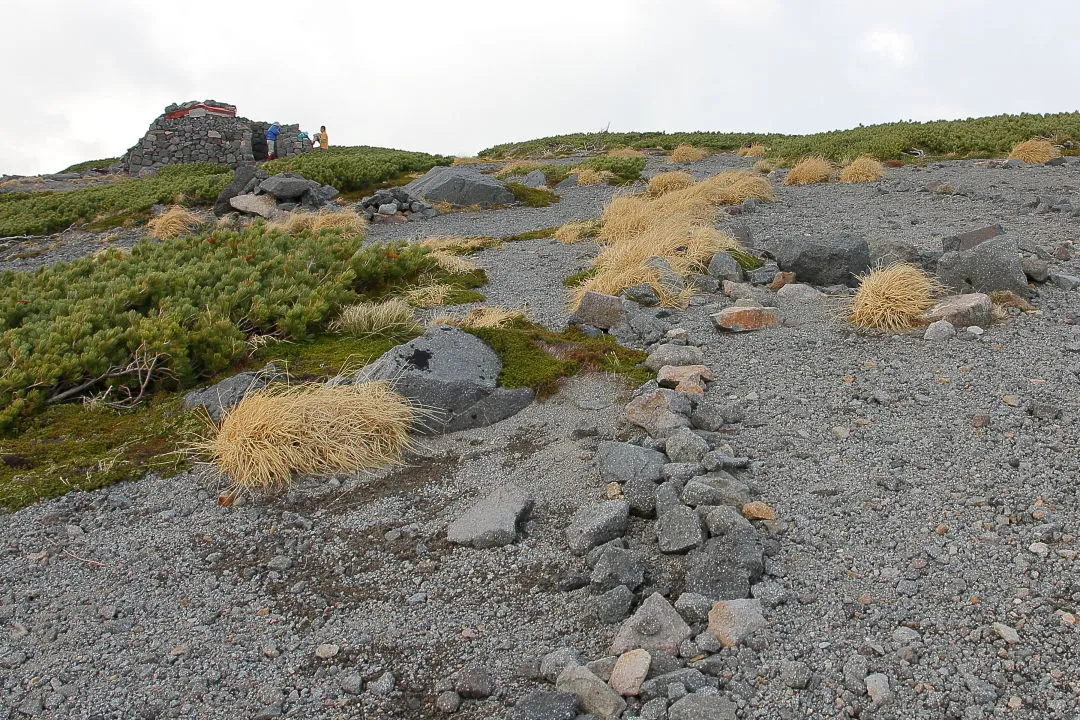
[327,355]
[73,447]
[532,197]
[537,358]
[575,279]
[532,235]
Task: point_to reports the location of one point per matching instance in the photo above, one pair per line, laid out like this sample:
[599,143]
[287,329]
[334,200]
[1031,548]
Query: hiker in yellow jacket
[321,139]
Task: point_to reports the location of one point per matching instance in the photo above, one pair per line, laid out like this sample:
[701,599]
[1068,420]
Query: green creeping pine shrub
[626,170]
[974,137]
[111,205]
[102,164]
[554,173]
[532,197]
[192,302]
[352,169]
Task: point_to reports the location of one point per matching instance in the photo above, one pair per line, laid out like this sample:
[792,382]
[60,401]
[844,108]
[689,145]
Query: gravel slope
[905,532]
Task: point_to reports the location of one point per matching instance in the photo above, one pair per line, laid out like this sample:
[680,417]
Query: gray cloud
[456,77]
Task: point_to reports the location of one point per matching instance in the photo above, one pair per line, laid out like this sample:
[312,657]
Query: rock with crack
[593,693]
[990,265]
[451,375]
[492,522]
[460,186]
[823,260]
[685,378]
[660,412]
[963,310]
[596,524]
[623,462]
[599,310]
[655,626]
[733,621]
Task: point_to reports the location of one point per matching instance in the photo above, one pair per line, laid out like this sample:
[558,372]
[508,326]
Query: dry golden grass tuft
[469,161]
[893,298]
[754,150]
[1007,298]
[811,169]
[456,245]
[310,429]
[625,152]
[765,166]
[518,167]
[676,227]
[862,169]
[688,153]
[346,220]
[484,316]
[592,176]
[173,223]
[454,264]
[446,208]
[390,318]
[666,182]
[428,296]
[577,231]
[1035,150]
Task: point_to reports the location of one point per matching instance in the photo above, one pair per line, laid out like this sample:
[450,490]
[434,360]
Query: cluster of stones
[395,206]
[694,495]
[207,131]
[255,192]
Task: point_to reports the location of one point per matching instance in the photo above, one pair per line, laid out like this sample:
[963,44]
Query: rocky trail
[906,547]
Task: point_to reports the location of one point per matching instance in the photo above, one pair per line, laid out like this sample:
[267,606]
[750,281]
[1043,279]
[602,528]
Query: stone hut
[207,131]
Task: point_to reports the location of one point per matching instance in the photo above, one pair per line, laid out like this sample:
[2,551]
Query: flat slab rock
[745,319]
[492,521]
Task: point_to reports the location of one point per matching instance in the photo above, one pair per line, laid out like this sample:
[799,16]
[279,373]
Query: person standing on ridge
[321,139]
[272,133]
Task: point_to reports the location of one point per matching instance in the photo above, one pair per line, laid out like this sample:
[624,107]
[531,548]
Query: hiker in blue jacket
[272,133]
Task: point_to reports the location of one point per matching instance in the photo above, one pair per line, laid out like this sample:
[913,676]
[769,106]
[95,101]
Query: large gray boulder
[261,205]
[452,376]
[990,265]
[823,260]
[287,187]
[243,175]
[460,186]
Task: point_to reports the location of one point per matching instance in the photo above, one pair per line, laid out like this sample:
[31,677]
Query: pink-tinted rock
[630,672]
[685,378]
[744,319]
[660,412]
[963,310]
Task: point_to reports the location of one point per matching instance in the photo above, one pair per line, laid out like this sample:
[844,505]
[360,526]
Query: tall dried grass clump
[428,296]
[469,161]
[625,152]
[455,245]
[391,318]
[574,232]
[173,223]
[453,264]
[518,167]
[346,220]
[752,150]
[688,153]
[893,298]
[811,169]
[1035,150]
[592,176]
[482,317]
[310,429]
[666,182]
[862,169]
[765,166]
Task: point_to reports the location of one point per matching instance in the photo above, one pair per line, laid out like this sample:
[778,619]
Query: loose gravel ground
[910,537]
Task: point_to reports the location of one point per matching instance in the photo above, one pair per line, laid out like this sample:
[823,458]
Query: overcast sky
[84,79]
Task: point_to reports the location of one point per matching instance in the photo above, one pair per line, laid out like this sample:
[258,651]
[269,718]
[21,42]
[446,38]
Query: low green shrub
[168,313]
[532,197]
[625,170]
[355,169]
[102,164]
[107,206]
[972,137]
[554,173]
